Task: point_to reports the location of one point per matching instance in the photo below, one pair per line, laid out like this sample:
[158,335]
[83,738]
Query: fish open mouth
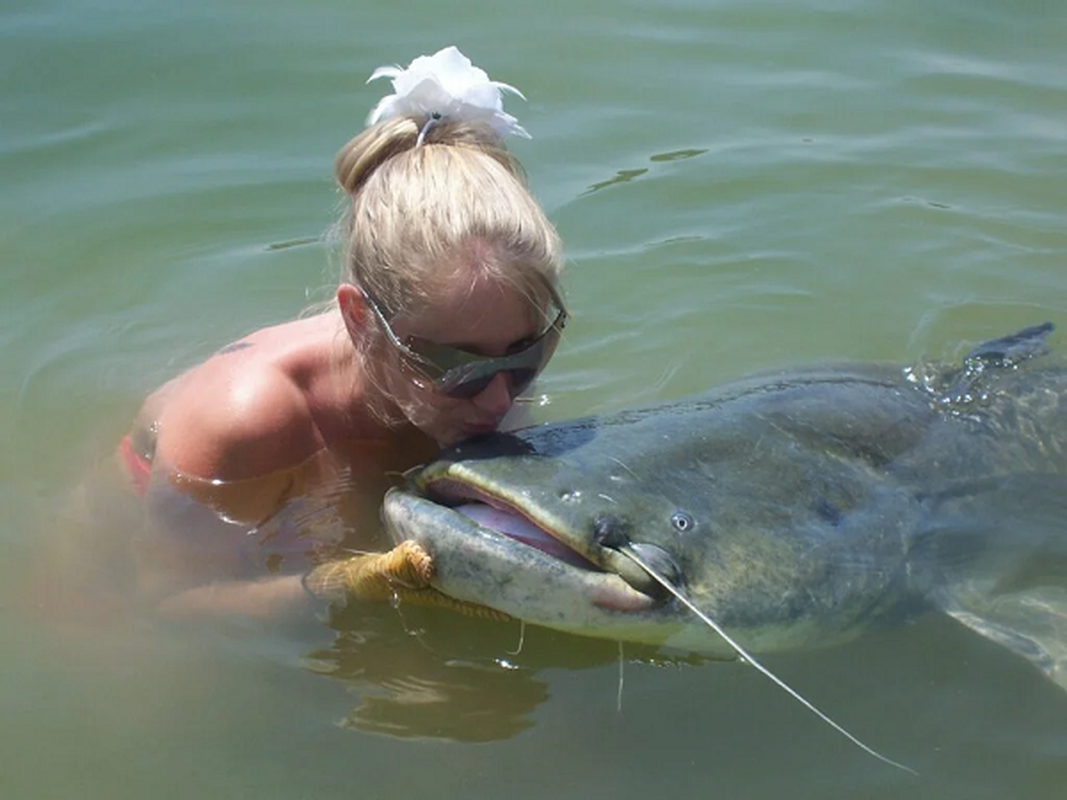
[602,587]
[495,514]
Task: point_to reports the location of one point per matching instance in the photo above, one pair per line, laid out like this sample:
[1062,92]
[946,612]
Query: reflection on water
[428,673]
[411,683]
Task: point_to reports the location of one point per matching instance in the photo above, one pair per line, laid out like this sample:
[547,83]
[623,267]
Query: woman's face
[483,316]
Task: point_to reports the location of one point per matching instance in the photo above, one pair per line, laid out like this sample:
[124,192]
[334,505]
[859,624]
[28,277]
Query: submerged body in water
[794,509]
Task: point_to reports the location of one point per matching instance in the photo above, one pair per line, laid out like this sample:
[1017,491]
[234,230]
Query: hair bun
[371,148]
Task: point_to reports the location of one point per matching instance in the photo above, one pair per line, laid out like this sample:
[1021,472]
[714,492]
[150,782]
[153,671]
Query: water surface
[741,185]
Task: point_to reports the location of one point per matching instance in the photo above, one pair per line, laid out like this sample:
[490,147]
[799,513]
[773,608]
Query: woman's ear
[353,309]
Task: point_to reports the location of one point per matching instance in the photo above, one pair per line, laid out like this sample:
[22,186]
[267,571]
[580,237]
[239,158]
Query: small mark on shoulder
[233,348]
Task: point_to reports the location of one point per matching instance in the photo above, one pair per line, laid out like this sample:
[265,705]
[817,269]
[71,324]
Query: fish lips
[482,564]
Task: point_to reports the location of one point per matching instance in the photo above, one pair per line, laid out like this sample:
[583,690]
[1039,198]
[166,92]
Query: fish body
[796,509]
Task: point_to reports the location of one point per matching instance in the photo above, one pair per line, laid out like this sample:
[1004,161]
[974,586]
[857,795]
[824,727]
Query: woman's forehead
[479,264]
[468,284]
[484,311]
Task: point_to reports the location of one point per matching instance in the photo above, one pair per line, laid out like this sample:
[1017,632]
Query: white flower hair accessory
[443,86]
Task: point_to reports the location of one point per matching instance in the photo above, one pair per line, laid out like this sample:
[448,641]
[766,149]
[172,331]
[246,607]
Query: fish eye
[682,522]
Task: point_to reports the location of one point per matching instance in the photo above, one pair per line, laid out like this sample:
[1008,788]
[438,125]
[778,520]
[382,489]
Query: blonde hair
[415,211]
[419,212]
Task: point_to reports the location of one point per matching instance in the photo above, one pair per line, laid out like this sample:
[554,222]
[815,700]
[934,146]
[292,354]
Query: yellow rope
[403,574]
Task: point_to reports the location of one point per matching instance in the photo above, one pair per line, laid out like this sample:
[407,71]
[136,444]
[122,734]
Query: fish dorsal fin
[1011,350]
[1007,352]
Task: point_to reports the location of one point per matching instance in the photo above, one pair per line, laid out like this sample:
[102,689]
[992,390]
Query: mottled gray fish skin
[795,509]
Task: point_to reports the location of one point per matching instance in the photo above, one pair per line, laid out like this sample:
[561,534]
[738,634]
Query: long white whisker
[629,551]
[522,639]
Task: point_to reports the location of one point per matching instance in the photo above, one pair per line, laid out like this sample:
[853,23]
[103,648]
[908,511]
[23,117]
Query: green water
[741,185]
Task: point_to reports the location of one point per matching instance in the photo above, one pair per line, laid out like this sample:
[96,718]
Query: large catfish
[794,509]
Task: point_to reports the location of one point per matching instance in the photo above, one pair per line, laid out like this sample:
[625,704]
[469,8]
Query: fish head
[781,540]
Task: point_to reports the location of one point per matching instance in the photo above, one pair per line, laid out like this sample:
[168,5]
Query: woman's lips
[478,428]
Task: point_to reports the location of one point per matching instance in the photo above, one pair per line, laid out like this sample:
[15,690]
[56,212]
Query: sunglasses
[461,374]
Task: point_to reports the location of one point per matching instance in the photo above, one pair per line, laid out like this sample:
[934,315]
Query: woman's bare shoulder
[232,419]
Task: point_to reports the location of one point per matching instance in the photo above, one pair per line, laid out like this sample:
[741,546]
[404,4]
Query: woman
[447,309]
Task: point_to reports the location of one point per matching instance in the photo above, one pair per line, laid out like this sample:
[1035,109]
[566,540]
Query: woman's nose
[496,396]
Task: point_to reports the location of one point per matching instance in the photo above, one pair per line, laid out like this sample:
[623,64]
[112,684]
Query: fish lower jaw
[625,600]
[483,566]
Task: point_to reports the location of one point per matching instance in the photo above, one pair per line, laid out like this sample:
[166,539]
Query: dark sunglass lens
[521,380]
[472,388]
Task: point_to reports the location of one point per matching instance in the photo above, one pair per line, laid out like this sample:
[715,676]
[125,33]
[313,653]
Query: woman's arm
[271,598]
